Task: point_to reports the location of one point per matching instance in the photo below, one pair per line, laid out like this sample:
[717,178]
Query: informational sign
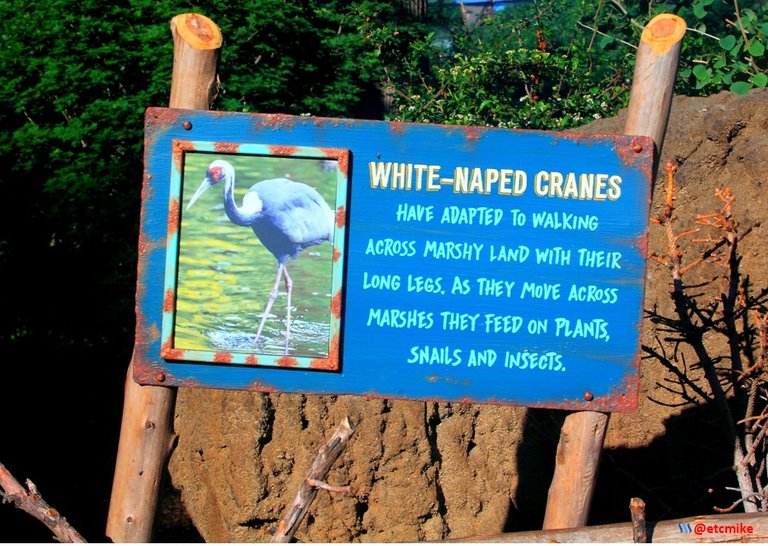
[429,262]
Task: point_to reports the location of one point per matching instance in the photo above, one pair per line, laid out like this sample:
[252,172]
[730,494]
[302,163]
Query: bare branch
[328,454]
[33,504]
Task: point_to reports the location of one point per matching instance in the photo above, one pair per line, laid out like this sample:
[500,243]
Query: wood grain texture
[146,438]
[576,465]
[146,432]
[581,440]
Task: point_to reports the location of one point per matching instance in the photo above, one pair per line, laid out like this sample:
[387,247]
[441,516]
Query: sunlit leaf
[760,80]
[740,88]
[702,73]
[756,49]
[727,42]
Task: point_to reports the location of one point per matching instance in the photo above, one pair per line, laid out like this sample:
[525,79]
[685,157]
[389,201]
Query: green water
[225,274]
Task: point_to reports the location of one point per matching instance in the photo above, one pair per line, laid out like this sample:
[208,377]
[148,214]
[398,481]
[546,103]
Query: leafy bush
[554,65]
[78,76]
[530,66]
[518,88]
[726,49]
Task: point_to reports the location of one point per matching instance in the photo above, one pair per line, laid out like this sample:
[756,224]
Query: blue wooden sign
[328,256]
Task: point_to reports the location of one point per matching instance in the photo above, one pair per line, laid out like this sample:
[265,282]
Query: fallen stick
[322,464]
[718,528]
[33,504]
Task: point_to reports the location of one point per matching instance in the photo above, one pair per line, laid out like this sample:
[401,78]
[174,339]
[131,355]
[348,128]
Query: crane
[286,216]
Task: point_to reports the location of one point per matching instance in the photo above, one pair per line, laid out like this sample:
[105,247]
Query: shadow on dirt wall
[680,474]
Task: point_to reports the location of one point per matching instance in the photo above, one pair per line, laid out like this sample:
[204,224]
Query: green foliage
[77,80]
[304,57]
[519,88]
[553,65]
[726,48]
[78,76]
[530,66]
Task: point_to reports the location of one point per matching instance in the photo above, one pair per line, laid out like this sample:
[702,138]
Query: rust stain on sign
[341,158]
[260,386]
[147,191]
[287,362]
[174,213]
[226,147]
[283,150]
[169,301]
[336,305]
[170,353]
[282,121]
[341,217]
[638,152]
[473,133]
[326,363]
[222,357]
[161,119]
[641,244]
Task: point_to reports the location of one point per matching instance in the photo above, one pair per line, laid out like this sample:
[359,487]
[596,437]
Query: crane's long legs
[268,308]
[282,273]
[289,289]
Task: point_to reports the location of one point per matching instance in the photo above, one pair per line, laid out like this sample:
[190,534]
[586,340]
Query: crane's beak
[207,183]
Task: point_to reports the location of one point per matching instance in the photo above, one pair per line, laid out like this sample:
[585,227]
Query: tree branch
[328,454]
[33,504]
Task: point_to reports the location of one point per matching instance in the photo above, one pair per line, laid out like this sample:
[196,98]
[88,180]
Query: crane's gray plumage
[286,216]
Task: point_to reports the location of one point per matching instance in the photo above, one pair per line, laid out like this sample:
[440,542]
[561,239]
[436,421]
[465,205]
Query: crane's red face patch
[214,173]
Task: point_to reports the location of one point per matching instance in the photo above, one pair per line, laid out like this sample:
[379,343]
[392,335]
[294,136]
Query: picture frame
[253,216]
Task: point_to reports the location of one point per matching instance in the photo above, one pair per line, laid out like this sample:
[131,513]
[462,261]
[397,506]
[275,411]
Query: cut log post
[653,83]
[196,44]
[146,438]
[576,464]
[582,435]
[146,433]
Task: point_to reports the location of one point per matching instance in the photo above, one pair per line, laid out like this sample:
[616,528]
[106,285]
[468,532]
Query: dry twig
[33,504]
[328,454]
[736,381]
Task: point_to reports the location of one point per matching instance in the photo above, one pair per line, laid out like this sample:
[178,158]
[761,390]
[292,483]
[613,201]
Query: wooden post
[196,43]
[146,433]
[653,83]
[582,435]
[576,464]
